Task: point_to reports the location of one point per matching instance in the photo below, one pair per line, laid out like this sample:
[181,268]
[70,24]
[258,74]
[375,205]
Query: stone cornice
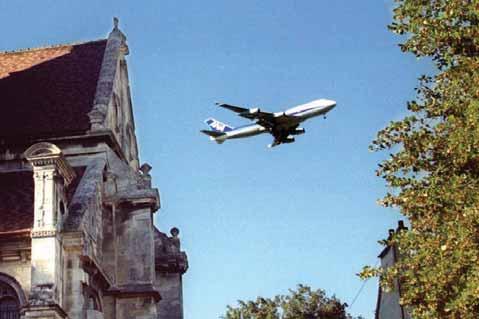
[43,310]
[44,233]
[47,154]
[136,198]
[14,149]
[134,290]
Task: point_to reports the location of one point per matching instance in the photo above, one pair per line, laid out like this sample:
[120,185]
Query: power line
[361,288]
[358,293]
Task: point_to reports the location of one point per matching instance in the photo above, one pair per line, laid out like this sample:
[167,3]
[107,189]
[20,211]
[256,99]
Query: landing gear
[275,143]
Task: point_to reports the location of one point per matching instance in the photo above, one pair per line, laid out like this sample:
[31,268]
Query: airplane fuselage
[311,109]
[289,118]
[246,131]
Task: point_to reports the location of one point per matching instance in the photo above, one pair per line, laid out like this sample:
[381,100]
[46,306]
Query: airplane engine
[250,113]
[288,140]
[299,131]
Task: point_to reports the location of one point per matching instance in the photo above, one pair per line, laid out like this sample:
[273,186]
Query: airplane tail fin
[218,126]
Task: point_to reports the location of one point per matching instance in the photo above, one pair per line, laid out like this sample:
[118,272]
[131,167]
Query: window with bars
[11,297]
[9,305]
[9,308]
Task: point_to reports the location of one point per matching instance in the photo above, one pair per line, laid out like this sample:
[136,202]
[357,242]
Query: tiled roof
[49,91]
[16,199]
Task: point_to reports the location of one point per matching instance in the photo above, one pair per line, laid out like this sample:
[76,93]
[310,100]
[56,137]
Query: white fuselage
[289,118]
[311,109]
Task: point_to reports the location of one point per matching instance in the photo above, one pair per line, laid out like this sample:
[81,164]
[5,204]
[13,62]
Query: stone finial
[174,232]
[115,23]
[175,240]
[145,168]
[145,176]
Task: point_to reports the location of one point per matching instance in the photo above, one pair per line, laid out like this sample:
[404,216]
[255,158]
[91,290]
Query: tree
[302,303]
[434,168]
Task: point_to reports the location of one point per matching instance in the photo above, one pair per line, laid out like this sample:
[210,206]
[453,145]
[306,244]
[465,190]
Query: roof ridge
[54,46]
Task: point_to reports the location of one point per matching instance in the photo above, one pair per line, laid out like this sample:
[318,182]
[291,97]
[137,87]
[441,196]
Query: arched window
[12,298]
[9,303]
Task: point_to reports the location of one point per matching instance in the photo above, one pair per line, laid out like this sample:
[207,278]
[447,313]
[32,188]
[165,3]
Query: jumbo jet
[282,125]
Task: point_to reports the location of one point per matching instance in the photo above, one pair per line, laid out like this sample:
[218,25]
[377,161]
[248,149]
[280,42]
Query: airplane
[282,125]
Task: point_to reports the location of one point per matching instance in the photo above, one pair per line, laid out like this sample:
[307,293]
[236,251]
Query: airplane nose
[329,104]
[326,102]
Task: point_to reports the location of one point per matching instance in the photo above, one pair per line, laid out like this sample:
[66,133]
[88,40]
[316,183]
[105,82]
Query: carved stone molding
[172,263]
[52,311]
[46,154]
[134,290]
[43,233]
[97,117]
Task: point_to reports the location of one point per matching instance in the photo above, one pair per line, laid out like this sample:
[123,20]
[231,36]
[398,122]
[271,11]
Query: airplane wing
[233,108]
[266,119]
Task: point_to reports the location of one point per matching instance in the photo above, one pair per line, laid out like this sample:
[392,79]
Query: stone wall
[171,263]
[15,262]
[135,247]
[170,287]
[138,308]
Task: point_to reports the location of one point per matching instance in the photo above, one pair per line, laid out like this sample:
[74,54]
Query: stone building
[77,238]
[388,306]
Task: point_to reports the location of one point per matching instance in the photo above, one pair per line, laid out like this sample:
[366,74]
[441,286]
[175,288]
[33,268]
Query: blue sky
[254,221]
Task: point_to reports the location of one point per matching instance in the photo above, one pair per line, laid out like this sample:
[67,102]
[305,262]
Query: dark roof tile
[16,201]
[49,91]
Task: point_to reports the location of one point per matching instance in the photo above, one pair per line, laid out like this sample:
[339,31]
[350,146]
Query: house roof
[49,91]
[16,200]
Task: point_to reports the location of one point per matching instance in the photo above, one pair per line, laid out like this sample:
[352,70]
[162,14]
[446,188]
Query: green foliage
[302,303]
[434,170]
